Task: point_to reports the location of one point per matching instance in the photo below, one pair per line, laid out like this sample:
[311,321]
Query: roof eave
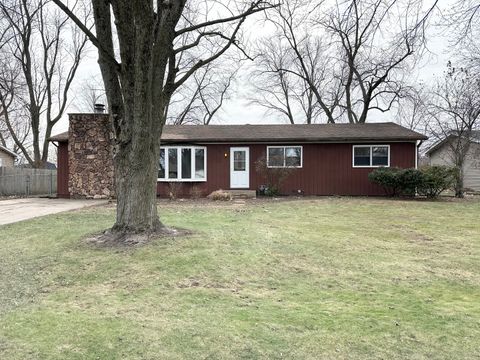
[292,140]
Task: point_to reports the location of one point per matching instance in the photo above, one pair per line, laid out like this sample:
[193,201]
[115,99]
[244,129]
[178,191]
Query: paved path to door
[14,210]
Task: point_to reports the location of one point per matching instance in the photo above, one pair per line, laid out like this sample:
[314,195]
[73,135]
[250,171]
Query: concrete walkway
[22,209]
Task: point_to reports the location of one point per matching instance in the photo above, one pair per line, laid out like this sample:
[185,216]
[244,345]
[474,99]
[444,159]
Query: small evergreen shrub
[409,180]
[388,179]
[429,181]
[436,179]
[272,191]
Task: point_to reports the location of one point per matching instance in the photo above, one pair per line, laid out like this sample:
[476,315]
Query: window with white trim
[284,156]
[371,155]
[182,163]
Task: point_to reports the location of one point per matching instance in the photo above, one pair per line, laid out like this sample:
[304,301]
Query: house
[440,153]
[7,157]
[326,159]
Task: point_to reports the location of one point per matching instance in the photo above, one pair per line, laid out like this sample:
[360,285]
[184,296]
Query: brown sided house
[326,159]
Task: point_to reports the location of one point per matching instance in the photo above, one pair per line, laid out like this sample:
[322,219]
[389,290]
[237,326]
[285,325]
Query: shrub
[221,195]
[273,177]
[429,181]
[196,192]
[272,191]
[409,180]
[436,179]
[388,178]
[174,190]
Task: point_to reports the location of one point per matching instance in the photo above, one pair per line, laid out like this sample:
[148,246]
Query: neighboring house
[7,157]
[327,159]
[441,154]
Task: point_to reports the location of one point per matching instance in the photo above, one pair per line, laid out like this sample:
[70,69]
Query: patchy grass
[307,279]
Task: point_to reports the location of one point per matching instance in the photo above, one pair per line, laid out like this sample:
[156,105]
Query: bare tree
[201,98]
[301,53]
[412,107]
[280,91]
[47,52]
[87,94]
[454,115]
[141,80]
[10,87]
[371,45]
[462,21]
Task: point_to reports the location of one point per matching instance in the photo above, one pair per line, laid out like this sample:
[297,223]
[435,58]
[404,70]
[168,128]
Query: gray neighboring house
[7,157]
[440,154]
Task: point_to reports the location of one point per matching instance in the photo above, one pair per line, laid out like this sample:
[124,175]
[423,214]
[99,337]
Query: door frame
[247,165]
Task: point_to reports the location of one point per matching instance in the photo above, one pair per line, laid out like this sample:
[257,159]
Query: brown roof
[289,133]
[282,133]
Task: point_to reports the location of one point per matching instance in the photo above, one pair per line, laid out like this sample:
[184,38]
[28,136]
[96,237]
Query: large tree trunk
[136,179]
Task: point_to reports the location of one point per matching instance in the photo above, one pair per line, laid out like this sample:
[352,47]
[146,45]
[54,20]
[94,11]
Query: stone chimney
[90,149]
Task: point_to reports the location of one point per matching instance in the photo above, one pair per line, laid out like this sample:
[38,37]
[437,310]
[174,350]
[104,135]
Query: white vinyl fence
[26,182]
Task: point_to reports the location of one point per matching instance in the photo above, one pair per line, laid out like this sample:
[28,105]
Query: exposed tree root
[119,238]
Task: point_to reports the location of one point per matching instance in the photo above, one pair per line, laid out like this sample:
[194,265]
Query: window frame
[371,155]
[179,163]
[284,147]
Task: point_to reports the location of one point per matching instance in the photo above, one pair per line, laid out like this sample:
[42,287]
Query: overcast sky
[238,110]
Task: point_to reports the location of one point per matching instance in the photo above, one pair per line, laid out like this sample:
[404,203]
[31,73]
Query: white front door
[239,168]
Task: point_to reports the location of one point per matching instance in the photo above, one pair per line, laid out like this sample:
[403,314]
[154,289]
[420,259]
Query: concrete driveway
[14,210]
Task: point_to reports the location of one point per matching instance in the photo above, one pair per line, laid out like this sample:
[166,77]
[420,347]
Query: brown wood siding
[327,170]
[62,170]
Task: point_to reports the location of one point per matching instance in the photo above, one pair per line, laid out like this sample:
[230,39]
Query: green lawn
[303,279]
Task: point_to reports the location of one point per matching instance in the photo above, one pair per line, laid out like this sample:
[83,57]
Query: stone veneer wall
[90,157]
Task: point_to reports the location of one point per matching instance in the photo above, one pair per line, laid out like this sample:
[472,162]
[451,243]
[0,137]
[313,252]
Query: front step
[243,194]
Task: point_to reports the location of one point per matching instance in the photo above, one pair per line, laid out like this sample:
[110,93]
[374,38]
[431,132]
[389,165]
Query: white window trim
[179,164]
[371,155]
[285,158]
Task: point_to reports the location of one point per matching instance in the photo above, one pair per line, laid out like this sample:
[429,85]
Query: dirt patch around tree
[109,239]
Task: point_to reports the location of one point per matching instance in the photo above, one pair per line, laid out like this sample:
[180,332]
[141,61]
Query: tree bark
[136,178]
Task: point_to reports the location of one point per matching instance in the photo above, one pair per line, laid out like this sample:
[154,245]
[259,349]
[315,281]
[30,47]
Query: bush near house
[388,179]
[174,190]
[429,181]
[273,177]
[436,179]
[220,195]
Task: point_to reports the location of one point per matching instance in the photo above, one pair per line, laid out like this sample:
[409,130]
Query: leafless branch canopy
[39,61]
[454,114]
[358,62]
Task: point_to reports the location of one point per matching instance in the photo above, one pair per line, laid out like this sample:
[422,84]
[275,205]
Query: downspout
[417,150]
